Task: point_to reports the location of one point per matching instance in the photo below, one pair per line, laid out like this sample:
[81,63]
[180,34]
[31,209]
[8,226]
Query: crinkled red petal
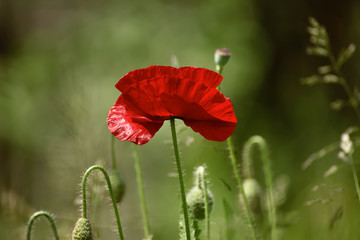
[200,75]
[204,109]
[127,123]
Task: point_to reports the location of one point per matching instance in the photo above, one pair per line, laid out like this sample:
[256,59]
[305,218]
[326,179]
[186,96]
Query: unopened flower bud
[196,201]
[252,192]
[82,230]
[118,184]
[222,56]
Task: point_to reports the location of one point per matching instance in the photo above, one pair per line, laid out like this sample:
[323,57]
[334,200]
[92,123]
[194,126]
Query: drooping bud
[82,230]
[252,192]
[118,184]
[196,201]
[221,57]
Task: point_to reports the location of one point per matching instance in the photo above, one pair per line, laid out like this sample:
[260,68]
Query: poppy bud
[222,56]
[196,200]
[252,192]
[82,230]
[118,184]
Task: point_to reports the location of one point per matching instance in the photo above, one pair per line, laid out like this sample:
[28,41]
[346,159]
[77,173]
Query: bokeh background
[60,60]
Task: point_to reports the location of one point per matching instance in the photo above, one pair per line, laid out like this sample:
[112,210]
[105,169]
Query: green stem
[268,176]
[181,180]
[108,182]
[219,70]
[241,188]
[206,198]
[139,179]
[236,170]
[355,176]
[113,151]
[48,217]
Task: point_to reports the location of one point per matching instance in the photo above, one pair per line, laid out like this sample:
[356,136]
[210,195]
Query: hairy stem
[207,209]
[258,140]
[48,217]
[181,180]
[108,182]
[236,170]
[139,179]
[241,188]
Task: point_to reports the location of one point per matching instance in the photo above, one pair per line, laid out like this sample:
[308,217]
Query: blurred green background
[60,60]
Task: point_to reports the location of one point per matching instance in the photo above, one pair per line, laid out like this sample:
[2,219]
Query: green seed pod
[118,184]
[82,230]
[252,192]
[196,201]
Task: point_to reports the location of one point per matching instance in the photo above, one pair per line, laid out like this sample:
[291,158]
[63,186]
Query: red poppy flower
[154,94]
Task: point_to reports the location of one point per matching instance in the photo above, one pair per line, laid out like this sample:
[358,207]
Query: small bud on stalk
[222,56]
[118,184]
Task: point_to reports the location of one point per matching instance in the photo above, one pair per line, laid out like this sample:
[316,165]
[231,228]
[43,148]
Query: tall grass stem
[355,176]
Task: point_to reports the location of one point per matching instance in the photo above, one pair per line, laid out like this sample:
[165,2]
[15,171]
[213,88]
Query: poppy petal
[204,109]
[201,75]
[212,130]
[127,123]
[135,77]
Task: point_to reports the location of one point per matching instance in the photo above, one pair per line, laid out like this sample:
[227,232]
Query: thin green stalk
[219,69]
[207,209]
[181,180]
[241,188]
[236,170]
[355,176]
[113,159]
[108,182]
[139,179]
[48,217]
[258,140]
